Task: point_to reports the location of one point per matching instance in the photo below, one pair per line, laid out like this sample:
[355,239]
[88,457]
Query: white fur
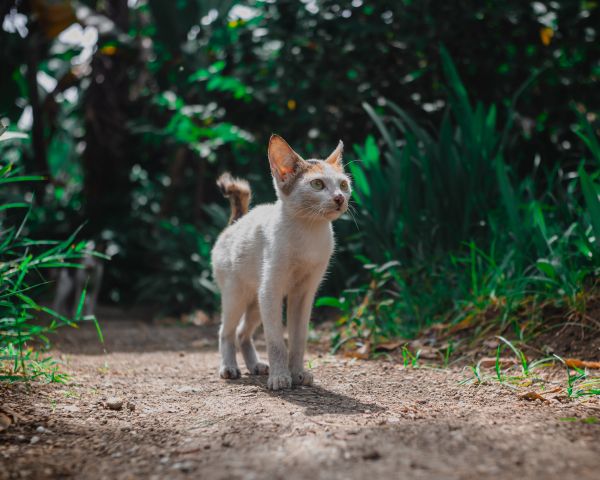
[276,251]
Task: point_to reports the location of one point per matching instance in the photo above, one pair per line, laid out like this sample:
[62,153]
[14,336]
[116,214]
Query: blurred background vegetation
[470,126]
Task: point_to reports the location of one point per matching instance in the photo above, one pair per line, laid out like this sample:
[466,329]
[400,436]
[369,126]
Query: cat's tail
[239,194]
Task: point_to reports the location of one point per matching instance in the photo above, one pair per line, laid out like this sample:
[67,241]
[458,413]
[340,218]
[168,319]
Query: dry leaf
[388,346]
[532,396]
[361,353]
[491,362]
[463,325]
[491,343]
[439,326]
[575,363]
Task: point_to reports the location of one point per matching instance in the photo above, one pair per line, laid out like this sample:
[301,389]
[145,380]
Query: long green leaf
[591,200]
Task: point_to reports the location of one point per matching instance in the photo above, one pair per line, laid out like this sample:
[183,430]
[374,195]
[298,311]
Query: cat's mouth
[336,212]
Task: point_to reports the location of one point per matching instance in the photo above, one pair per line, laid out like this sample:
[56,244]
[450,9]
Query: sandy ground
[362,419]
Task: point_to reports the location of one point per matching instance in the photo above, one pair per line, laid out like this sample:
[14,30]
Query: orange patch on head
[316,167]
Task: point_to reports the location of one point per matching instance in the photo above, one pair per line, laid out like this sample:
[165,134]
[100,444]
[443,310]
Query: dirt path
[361,420]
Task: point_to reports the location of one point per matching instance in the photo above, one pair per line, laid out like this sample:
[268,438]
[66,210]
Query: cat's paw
[279,381]
[259,369]
[302,378]
[230,373]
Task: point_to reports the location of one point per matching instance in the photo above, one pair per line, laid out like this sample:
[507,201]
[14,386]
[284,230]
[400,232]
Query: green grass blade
[593,204]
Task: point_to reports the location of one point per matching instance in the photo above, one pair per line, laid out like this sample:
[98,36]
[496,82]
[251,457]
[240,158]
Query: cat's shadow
[316,400]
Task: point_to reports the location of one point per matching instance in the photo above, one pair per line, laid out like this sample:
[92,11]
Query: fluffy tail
[238,193]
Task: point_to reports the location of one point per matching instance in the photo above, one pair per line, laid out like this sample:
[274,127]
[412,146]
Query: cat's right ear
[283,160]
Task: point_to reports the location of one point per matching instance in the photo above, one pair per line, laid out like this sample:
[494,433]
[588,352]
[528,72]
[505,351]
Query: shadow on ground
[315,400]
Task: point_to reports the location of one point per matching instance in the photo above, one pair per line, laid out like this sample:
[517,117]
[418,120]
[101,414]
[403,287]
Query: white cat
[274,252]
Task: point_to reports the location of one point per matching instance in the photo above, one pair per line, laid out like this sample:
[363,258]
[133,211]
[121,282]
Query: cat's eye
[344,186]
[317,184]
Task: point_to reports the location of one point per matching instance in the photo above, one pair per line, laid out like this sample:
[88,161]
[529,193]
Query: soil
[148,404]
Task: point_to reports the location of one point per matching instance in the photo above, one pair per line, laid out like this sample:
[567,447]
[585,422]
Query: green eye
[344,186]
[317,184]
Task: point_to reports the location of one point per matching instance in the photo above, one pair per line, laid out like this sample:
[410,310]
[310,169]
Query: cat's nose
[338,199]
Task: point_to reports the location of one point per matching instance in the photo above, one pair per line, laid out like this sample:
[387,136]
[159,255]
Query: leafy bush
[432,191]
[468,246]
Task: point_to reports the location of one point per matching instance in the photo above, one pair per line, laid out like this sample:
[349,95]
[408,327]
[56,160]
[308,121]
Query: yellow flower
[108,50]
[233,24]
[291,104]
[546,35]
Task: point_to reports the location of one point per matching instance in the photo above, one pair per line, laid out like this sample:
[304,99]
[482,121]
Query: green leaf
[328,302]
[591,200]
[546,267]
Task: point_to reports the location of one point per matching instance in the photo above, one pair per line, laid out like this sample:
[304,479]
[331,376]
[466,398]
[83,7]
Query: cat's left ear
[335,159]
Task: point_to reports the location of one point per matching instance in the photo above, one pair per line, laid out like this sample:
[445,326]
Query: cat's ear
[284,162]
[335,159]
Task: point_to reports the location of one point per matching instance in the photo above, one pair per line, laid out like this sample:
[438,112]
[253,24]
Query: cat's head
[313,189]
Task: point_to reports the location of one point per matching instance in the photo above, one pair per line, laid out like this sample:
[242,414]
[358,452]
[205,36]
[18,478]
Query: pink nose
[339,199]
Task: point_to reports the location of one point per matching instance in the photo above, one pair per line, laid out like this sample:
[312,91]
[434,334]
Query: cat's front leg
[270,300]
[299,308]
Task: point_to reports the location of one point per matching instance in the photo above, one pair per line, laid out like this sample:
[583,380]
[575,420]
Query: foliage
[24,267]
[139,106]
[474,209]
[436,190]
[429,203]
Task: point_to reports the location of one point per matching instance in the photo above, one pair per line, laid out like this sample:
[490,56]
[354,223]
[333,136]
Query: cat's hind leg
[245,331]
[233,306]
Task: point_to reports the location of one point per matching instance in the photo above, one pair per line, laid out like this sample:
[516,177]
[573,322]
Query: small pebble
[41,429]
[35,439]
[372,455]
[185,466]
[114,403]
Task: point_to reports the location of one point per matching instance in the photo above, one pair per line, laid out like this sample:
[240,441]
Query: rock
[114,403]
[5,421]
[185,466]
[371,455]
[35,439]
[41,429]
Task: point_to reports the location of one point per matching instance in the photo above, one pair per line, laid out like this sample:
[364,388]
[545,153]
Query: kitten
[277,251]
